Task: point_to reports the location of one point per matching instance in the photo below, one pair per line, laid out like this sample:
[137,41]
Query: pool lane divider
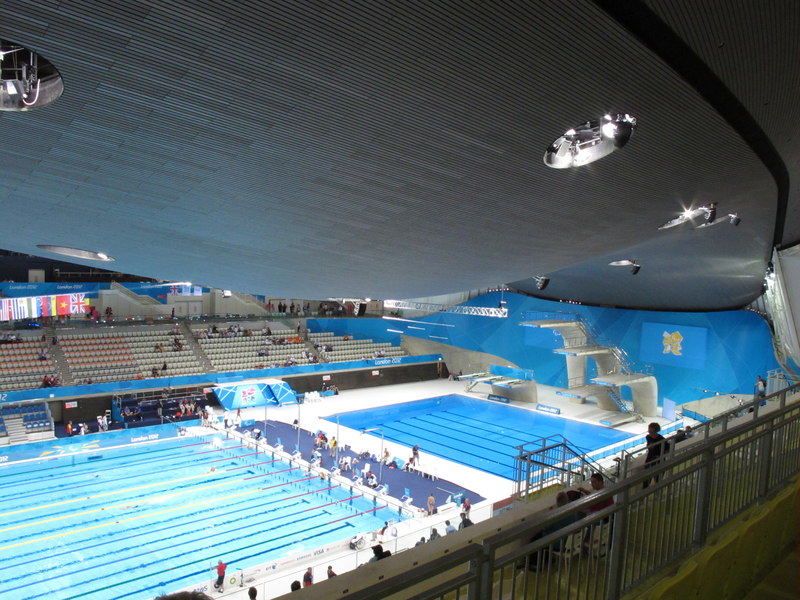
[293,541]
[173,525]
[53,457]
[168,510]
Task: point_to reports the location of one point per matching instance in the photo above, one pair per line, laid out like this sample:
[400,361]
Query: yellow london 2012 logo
[672,343]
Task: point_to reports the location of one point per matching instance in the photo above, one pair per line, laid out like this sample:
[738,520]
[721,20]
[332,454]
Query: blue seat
[406,499]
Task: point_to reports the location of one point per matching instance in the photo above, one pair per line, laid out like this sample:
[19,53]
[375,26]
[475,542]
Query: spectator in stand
[598,483]
[296,586]
[252,593]
[448,528]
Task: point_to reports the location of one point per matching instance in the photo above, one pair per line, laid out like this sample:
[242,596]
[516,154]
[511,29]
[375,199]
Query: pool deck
[493,488]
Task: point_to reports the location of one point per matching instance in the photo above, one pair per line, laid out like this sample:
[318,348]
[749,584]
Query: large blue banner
[255,393]
[674,345]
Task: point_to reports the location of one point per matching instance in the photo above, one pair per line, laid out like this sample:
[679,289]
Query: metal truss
[477,311]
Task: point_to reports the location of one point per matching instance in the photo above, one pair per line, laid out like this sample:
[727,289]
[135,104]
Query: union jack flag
[77,304]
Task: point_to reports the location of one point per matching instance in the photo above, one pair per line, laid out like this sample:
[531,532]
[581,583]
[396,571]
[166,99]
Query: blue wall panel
[737,345]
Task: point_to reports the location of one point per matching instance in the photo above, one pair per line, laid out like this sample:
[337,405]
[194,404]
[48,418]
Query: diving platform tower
[613,370]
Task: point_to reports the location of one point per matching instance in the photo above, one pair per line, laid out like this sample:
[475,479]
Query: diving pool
[138,513]
[478,433]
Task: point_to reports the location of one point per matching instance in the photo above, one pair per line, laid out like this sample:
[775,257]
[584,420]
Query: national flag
[5,309]
[41,306]
[62,305]
[174,289]
[19,308]
[77,304]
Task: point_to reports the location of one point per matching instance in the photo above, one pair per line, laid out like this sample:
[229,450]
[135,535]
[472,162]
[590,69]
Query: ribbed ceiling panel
[371,149]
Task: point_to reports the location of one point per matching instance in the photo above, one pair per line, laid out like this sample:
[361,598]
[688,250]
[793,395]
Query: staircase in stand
[16,430]
[197,349]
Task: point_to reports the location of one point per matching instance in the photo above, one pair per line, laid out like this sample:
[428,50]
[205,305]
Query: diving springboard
[254,392]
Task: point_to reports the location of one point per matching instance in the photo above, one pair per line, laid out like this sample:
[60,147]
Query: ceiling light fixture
[590,141]
[75,252]
[627,262]
[707,212]
[26,79]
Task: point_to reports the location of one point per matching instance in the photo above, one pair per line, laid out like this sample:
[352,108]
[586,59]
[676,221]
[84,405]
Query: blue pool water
[91,518]
[477,433]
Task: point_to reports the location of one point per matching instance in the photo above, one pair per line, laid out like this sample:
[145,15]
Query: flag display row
[43,306]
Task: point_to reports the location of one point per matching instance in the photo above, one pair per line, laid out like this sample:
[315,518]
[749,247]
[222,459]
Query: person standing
[308,578]
[466,506]
[656,446]
[415,453]
[761,387]
[331,572]
[218,584]
[431,504]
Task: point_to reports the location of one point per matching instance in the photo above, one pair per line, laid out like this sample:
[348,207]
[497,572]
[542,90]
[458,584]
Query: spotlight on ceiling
[26,79]
[627,262]
[707,212]
[75,252]
[541,282]
[590,141]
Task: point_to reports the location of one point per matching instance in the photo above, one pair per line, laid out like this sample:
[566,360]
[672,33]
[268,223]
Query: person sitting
[434,535]
[598,483]
[379,553]
[372,481]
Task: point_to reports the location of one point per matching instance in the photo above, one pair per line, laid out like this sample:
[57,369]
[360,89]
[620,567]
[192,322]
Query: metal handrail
[705,485]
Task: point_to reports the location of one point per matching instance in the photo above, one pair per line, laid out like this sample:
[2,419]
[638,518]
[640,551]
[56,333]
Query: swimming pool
[478,433]
[98,518]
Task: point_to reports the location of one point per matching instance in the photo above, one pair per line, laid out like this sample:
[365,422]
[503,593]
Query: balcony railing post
[616,555]
[481,567]
[765,460]
[702,504]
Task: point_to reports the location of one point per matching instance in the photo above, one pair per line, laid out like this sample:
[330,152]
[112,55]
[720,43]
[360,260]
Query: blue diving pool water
[477,433]
[99,520]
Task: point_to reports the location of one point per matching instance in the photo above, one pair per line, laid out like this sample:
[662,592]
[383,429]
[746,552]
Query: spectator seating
[120,355]
[20,367]
[235,351]
[346,348]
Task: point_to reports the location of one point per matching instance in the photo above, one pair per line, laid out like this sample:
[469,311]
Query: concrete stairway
[16,430]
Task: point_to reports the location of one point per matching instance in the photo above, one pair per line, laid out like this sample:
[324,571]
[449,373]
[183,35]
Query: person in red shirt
[218,585]
[308,578]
